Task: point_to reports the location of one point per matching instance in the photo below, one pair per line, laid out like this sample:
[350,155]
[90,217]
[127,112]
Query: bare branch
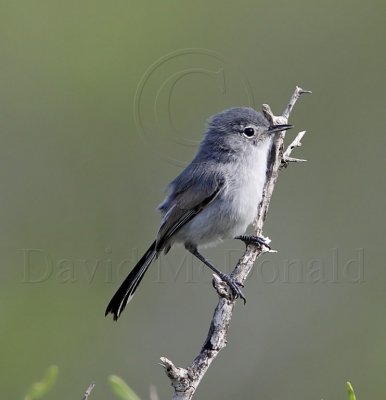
[295,97]
[295,143]
[186,380]
[88,391]
[153,395]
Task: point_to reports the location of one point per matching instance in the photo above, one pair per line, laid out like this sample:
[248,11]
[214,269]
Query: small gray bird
[214,198]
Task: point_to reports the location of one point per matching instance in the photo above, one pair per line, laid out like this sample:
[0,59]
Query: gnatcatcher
[215,197]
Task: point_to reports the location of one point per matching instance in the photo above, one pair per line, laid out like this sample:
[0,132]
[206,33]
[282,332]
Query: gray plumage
[216,196]
[228,165]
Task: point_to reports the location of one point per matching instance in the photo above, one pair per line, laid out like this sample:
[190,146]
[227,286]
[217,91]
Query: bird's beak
[279,128]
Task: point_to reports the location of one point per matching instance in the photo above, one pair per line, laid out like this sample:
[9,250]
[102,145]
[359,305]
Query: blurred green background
[85,157]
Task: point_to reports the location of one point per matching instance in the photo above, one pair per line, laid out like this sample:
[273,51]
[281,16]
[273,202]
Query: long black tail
[126,291]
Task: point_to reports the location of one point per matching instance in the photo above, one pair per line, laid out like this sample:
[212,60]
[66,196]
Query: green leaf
[121,389]
[350,391]
[39,389]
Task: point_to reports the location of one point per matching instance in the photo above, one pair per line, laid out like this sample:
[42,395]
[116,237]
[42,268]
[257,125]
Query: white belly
[235,208]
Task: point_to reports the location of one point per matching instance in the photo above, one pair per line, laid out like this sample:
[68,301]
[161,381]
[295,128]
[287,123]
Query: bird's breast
[235,208]
[246,184]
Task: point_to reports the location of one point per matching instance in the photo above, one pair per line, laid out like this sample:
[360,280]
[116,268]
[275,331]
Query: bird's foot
[256,240]
[234,285]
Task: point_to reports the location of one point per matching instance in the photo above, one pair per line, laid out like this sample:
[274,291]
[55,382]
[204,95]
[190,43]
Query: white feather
[231,213]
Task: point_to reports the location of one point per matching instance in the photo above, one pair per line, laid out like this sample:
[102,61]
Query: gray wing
[189,194]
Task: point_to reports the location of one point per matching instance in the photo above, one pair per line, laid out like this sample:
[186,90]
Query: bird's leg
[256,240]
[232,283]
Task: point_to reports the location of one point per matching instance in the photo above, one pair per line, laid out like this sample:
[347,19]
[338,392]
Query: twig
[88,391]
[286,156]
[186,380]
[153,395]
[297,93]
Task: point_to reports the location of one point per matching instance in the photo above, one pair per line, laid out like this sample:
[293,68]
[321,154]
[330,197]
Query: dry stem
[186,380]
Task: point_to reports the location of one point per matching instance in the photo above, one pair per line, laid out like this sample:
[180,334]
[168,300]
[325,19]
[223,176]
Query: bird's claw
[235,286]
[256,240]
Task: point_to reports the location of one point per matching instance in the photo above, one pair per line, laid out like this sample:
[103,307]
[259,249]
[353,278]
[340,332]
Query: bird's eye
[248,132]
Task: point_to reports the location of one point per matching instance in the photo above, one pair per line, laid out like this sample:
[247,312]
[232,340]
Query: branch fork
[178,376]
[286,155]
[186,380]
